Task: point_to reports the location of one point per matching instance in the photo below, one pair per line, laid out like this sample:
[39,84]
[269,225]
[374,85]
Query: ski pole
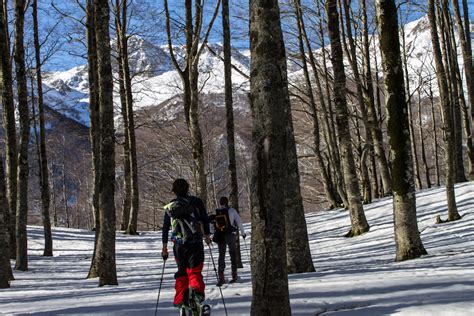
[159,290]
[217,277]
[246,249]
[207,272]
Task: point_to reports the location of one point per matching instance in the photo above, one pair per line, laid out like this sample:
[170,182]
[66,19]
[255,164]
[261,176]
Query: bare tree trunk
[327,182]
[365,96]
[331,194]
[66,208]
[269,104]
[435,136]
[372,118]
[414,147]
[189,78]
[9,126]
[470,82]
[24,113]
[358,220]
[422,143]
[43,158]
[234,186]
[6,274]
[407,236]
[127,182]
[449,47]
[352,58]
[53,193]
[334,147]
[132,228]
[94,126]
[447,113]
[106,242]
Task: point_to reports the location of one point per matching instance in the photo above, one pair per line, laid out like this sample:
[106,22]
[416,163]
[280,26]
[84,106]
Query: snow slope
[354,276]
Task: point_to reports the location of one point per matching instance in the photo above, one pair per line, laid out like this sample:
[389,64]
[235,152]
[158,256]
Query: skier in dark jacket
[188,248]
[227,223]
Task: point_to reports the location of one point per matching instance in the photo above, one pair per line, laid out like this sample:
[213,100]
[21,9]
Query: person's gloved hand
[207,239]
[164,253]
[244,235]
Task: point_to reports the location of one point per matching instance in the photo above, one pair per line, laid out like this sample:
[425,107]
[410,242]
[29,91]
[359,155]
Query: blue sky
[150,11]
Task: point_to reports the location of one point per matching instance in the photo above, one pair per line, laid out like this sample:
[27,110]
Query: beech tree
[358,220]
[407,236]
[189,75]
[24,115]
[43,159]
[269,101]
[9,126]
[6,274]
[447,114]
[105,252]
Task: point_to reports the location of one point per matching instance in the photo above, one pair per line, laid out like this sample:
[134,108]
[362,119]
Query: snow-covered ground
[355,276]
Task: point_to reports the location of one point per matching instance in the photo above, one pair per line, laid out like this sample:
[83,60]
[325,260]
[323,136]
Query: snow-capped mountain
[156,80]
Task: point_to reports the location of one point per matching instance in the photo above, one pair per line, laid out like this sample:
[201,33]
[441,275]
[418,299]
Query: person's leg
[230,241]
[181,277]
[195,257]
[221,261]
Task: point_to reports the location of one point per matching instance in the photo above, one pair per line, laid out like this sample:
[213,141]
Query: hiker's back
[185,219]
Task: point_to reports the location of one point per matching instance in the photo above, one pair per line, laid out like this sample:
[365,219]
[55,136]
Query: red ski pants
[190,260]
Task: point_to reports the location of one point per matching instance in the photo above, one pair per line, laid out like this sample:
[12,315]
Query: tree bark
[132,228]
[414,147]
[269,101]
[449,50]
[447,113]
[372,117]
[189,78]
[435,137]
[127,182]
[407,237]
[6,273]
[470,82]
[422,143]
[24,114]
[43,158]
[358,221]
[327,182]
[106,241]
[334,153]
[94,126]
[234,186]
[9,126]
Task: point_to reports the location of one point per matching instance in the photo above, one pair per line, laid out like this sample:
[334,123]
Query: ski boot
[221,280]
[235,277]
[195,300]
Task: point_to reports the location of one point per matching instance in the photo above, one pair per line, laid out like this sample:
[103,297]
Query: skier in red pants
[187,217]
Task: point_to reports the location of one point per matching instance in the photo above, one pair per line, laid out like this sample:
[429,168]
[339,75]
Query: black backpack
[222,221]
[184,222]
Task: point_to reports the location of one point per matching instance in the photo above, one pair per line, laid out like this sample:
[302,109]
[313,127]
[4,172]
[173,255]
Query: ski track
[356,276]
